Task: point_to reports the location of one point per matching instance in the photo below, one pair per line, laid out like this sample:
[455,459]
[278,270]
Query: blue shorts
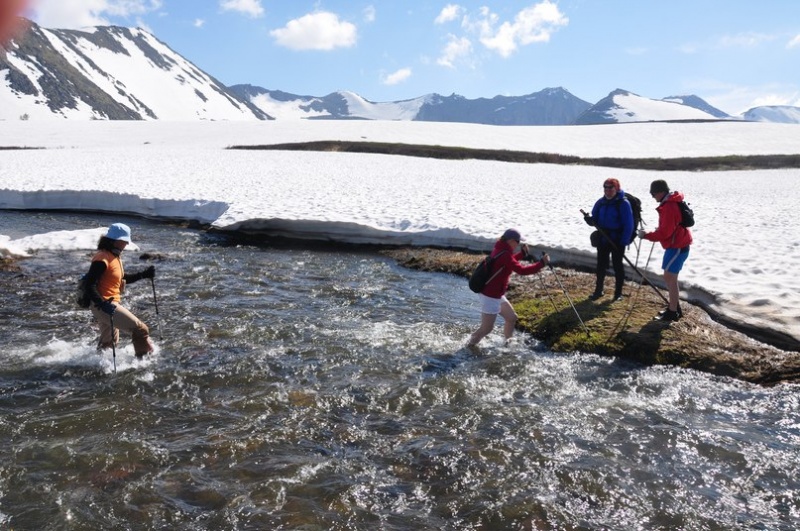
[674,259]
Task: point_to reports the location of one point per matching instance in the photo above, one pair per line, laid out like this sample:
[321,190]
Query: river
[319,388]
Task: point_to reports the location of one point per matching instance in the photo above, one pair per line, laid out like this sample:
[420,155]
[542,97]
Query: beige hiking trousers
[125,321]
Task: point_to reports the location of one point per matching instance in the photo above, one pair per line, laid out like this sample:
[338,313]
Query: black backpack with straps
[482,274]
[636,208]
[687,214]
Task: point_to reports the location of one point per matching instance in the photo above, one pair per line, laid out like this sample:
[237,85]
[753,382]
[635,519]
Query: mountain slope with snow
[782,114]
[622,106]
[552,106]
[109,73]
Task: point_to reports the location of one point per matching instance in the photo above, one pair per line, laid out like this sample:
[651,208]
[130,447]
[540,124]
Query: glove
[150,272]
[640,233]
[108,307]
[589,220]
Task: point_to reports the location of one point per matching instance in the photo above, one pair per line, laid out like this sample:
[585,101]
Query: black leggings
[603,252]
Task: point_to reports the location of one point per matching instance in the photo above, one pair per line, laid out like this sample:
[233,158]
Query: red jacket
[670,233]
[506,263]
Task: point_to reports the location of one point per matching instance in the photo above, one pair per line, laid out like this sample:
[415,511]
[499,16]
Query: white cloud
[369,14]
[397,77]
[449,13]
[533,24]
[794,43]
[316,31]
[744,40]
[251,8]
[736,99]
[199,23]
[83,13]
[456,48]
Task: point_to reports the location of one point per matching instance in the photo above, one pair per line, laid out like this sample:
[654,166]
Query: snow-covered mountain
[552,106]
[341,105]
[622,106]
[698,103]
[109,73]
[117,73]
[783,114]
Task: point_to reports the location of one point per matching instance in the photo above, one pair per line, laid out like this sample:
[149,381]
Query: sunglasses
[608,186]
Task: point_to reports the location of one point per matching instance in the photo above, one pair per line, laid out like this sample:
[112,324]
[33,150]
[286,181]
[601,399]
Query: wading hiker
[493,296]
[105,283]
[612,214]
[675,238]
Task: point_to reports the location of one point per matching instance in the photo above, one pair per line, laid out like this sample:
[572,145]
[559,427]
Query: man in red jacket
[674,238]
[493,296]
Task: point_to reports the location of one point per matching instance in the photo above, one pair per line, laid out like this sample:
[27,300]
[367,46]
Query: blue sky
[735,54]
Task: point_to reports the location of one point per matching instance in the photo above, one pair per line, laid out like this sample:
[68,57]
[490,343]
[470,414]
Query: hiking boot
[618,297]
[665,310]
[596,295]
[667,315]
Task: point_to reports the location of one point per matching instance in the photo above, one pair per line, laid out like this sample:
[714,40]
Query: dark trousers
[616,254]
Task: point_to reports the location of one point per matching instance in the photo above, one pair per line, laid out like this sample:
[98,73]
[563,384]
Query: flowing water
[320,389]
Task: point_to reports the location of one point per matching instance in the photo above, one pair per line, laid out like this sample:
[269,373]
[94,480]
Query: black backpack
[636,207]
[481,276]
[82,294]
[687,214]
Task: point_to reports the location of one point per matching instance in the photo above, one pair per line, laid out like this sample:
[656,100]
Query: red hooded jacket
[670,233]
[506,263]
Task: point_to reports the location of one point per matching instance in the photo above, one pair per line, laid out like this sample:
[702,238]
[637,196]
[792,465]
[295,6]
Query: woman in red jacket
[493,296]
[674,238]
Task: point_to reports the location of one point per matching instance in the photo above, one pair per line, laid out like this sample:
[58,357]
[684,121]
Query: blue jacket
[615,217]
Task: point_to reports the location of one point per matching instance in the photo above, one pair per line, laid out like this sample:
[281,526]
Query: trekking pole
[113,346]
[547,291]
[158,317]
[569,299]
[644,278]
[638,289]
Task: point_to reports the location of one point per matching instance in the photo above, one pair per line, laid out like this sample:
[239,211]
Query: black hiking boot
[596,295]
[668,315]
[665,310]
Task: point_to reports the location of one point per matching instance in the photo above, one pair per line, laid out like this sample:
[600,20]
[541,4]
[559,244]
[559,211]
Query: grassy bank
[730,162]
[624,329]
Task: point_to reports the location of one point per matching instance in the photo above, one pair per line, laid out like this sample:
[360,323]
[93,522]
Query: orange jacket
[110,284]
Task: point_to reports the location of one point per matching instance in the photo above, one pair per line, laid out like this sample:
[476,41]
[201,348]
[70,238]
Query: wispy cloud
[369,14]
[397,77]
[456,48]
[199,23]
[744,40]
[83,13]
[794,43]
[449,13]
[316,31]
[251,8]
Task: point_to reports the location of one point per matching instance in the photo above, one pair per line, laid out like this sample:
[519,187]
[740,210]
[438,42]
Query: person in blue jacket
[613,215]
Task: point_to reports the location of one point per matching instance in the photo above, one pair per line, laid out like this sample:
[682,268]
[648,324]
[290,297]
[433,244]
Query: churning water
[313,389]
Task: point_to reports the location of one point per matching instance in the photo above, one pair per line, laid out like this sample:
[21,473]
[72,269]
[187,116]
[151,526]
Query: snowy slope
[783,114]
[109,72]
[399,110]
[622,106]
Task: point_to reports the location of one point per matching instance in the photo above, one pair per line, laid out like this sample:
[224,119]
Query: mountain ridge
[118,73]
